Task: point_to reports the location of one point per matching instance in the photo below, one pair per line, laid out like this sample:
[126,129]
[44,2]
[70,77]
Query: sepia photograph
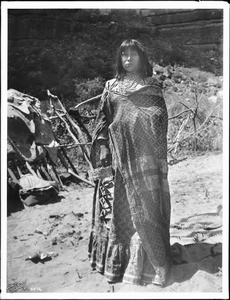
[114,150]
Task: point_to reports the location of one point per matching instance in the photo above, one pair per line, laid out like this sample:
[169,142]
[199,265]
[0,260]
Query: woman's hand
[105,156]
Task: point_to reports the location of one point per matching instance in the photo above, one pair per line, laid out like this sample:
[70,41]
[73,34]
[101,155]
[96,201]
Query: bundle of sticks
[44,167]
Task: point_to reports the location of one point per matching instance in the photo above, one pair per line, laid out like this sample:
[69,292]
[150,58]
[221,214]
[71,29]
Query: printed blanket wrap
[136,247]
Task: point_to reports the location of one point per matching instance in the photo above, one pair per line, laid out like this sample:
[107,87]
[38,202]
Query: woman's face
[130,60]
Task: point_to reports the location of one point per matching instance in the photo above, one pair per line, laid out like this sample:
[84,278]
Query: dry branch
[30,169]
[85,151]
[74,138]
[179,133]
[71,121]
[55,117]
[13,177]
[179,114]
[80,105]
[74,172]
[196,131]
[80,178]
[192,110]
[70,146]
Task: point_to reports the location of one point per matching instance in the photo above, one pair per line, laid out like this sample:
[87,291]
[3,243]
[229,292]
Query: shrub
[85,89]
[204,87]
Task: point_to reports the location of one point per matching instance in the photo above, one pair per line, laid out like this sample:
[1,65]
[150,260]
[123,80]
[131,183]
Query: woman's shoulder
[110,82]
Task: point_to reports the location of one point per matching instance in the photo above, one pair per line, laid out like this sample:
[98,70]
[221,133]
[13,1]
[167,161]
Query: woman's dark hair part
[145,66]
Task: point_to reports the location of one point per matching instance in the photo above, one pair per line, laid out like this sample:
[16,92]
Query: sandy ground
[62,230]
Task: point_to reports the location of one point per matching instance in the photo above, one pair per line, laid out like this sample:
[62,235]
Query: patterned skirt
[115,248]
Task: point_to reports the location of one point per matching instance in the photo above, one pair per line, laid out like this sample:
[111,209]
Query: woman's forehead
[129,48]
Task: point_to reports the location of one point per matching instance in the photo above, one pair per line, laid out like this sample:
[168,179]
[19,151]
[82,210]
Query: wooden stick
[72,172]
[185,121]
[96,190]
[68,128]
[30,169]
[79,119]
[46,174]
[89,117]
[174,117]
[84,150]
[74,145]
[62,159]
[81,178]
[38,173]
[60,156]
[44,168]
[56,174]
[13,177]
[188,136]
[191,109]
[86,102]
[69,118]
[74,138]
[62,151]
[75,126]
[55,117]
[19,172]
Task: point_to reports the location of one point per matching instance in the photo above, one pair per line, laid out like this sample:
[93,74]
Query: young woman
[129,240]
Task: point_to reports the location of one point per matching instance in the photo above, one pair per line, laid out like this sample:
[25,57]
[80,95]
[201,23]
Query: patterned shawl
[135,123]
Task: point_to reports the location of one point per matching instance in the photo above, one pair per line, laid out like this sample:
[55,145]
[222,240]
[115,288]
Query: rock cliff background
[70,50]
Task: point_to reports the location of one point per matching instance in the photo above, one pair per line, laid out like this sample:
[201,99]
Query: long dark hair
[145,66]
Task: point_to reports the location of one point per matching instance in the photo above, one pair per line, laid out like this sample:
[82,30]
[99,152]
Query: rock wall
[38,24]
[200,28]
[60,48]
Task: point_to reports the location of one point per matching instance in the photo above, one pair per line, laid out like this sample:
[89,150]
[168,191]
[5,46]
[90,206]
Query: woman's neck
[132,75]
